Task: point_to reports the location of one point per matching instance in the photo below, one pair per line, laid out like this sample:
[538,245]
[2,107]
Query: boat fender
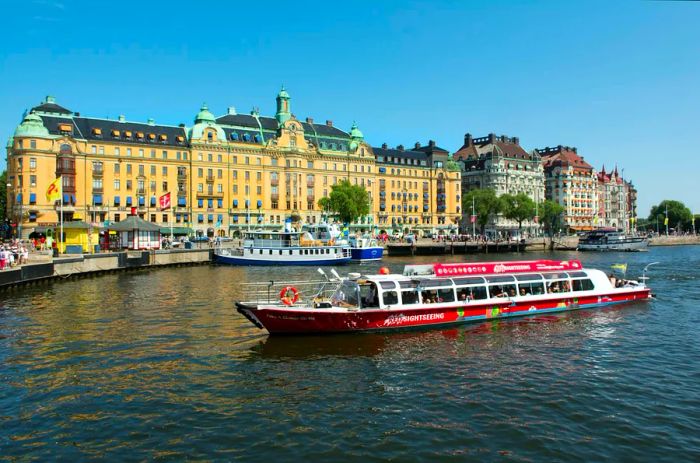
[289,295]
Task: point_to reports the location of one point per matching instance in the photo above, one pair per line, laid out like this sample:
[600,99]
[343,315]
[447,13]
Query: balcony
[182,175]
[98,190]
[98,172]
[274,182]
[210,179]
[140,191]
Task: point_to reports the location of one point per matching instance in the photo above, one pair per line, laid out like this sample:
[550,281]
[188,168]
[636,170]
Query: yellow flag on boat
[620,267]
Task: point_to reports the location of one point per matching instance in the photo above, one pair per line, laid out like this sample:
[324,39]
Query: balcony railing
[210,179]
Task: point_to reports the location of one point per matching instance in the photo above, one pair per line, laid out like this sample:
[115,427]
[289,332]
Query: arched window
[234,136]
[210,135]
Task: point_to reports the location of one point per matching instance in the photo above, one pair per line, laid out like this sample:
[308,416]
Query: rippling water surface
[158,365]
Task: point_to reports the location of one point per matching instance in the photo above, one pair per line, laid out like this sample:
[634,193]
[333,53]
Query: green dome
[355,132]
[31,126]
[204,115]
[283,93]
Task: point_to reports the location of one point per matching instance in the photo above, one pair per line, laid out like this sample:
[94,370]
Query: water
[157,365]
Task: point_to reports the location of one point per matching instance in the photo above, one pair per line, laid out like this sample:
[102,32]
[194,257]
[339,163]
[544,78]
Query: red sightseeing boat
[439,295]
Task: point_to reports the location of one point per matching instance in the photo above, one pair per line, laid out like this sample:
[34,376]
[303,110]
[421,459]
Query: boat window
[468,281]
[270,253]
[558,286]
[582,285]
[409,296]
[390,297]
[578,274]
[472,293]
[408,284]
[446,295]
[370,295]
[500,279]
[429,296]
[502,290]
[435,283]
[387,284]
[529,277]
[555,276]
[530,288]
[347,295]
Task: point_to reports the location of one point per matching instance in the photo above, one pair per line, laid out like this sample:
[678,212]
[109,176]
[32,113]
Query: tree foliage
[551,212]
[519,207]
[347,201]
[486,205]
[679,216]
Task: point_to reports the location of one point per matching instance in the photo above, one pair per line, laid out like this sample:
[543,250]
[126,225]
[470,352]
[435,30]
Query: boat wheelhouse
[442,294]
[611,239]
[282,248]
[365,249]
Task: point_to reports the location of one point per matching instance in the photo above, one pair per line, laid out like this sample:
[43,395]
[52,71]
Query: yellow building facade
[224,174]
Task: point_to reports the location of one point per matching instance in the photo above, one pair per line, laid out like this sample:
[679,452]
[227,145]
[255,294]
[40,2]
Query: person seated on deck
[613,280]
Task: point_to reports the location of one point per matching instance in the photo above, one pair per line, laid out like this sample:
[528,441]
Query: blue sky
[618,80]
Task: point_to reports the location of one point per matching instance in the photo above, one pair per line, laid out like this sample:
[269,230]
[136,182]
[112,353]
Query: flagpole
[473,220]
[60,241]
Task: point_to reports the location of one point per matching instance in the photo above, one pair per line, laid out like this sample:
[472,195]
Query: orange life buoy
[285,295]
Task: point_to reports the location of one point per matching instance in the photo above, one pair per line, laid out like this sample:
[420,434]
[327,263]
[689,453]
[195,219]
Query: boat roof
[491,268]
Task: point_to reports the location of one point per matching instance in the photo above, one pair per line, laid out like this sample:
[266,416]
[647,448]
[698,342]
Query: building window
[218,158]
[93,149]
[128,169]
[102,150]
[117,217]
[140,152]
[32,144]
[32,163]
[116,167]
[200,172]
[209,155]
[153,169]
[165,155]
[117,185]
[32,180]
[219,188]
[96,183]
[128,151]
[200,187]
[128,185]
[164,171]
[116,151]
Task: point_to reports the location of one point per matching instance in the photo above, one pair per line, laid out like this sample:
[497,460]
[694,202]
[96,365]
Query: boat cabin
[389,291]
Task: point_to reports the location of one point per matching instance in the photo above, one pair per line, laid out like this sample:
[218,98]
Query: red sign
[490,268]
[164,201]
[473,218]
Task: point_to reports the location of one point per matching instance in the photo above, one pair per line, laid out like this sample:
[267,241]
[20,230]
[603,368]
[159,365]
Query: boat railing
[269,292]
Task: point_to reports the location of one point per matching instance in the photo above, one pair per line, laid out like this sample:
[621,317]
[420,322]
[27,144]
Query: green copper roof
[283,93]
[204,115]
[355,132]
[10,142]
[451,164]
[31,126]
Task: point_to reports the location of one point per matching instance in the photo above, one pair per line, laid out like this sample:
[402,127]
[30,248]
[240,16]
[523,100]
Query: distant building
[500,163]
[573,183]
[613,201]
[225,174]
[419,188]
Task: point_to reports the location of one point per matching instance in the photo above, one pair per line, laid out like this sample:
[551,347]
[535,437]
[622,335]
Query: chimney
[417,145]
[516,140]
[431,143]
[468,140]
[329,123]
[78,115]
[400,147]
[492,137]
[559,147]
[151,121]
[309,120]
[122,118]
[181,125]
[576,151]
[231,111]
[504,138]
[385,146]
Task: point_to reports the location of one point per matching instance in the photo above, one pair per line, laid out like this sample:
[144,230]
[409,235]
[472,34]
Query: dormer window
[163,137]
[180,139]
[234,136]
[97,132]
[246,137]
[210,135]
[151,136]
[139,135]
[65,128]
[115,133]
[127,134]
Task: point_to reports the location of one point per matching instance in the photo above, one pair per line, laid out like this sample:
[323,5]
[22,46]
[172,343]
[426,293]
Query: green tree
[3,196]
[347,201]
[679,216]
[486,205]
[551,215]
[519,207]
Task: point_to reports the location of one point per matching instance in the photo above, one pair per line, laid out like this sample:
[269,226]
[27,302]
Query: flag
[164,201]
[53,192]
[473,219]
[620,267]
[666,221]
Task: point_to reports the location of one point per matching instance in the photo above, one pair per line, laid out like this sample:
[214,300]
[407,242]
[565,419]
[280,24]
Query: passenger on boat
[463,296]
[554,287]
[511,292]
[425,297]
[372,299]
[565,287]
[523,292]
[613,280]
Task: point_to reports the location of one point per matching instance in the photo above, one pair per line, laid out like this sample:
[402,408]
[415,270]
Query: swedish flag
[621,267]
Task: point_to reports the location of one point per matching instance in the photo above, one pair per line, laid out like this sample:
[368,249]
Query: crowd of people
[13,253]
